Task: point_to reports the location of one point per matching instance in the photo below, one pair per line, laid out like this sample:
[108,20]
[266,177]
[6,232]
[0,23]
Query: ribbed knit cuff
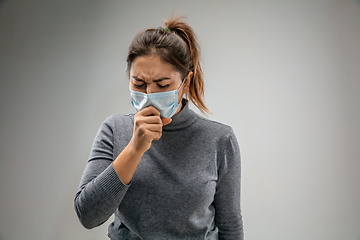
[110,182]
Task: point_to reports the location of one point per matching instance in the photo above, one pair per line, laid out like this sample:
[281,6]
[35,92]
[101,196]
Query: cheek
[179,98]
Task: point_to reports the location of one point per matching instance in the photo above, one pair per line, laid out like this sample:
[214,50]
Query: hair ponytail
[196,91]
[176,44]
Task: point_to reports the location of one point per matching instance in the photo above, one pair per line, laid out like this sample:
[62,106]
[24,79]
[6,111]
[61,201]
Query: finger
[153,133]
[148,120]
[154,127]
[149,132]
[148,111]
[142,127]
[152,120]
[140,119]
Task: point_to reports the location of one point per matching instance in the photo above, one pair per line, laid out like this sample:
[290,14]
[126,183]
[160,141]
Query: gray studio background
[284,74]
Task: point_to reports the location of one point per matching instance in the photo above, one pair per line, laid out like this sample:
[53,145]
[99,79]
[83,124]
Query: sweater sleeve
[227,197]
[101,190]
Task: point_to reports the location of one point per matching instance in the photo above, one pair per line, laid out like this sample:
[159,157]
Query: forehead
[152,66]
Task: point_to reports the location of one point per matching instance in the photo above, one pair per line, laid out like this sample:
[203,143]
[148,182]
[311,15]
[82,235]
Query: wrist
[133,151]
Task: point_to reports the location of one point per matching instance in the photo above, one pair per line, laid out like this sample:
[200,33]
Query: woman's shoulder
[214,127]
[119,117]
[116,120]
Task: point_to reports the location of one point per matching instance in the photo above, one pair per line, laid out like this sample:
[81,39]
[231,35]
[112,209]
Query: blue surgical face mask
[165,102]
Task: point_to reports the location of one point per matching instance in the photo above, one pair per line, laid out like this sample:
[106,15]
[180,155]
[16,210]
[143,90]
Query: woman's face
[149,74]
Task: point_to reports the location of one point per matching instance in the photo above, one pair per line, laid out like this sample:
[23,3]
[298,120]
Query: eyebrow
[156,80]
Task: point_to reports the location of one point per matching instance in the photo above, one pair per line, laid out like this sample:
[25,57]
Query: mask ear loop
[186,95]
[182,83]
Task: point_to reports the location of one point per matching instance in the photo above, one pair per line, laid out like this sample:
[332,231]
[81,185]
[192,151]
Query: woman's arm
[104,182]
[227,197]
[101,190]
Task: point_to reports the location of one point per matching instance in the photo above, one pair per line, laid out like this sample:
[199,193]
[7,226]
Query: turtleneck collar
[182,119]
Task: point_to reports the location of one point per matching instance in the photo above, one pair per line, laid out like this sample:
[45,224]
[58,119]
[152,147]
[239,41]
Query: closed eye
[163,86]
[139,85]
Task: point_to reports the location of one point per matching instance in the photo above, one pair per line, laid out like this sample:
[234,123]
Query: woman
[165,172]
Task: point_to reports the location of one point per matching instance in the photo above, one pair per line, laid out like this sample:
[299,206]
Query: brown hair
[175,44]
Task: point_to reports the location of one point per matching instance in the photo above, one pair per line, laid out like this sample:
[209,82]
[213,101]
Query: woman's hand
[147,127]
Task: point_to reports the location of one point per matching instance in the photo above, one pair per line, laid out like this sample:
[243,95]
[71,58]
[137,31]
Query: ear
[187,82]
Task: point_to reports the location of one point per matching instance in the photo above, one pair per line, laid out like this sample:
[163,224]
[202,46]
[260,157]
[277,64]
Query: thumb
[166,121]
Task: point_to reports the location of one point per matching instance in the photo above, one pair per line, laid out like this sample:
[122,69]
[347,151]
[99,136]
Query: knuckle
[141,130]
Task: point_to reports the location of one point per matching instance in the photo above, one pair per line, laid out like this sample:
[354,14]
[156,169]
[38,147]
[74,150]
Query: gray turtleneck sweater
[186,186]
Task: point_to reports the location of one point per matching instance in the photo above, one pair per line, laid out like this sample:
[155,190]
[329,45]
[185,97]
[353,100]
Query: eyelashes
[138,85]
[141,86]
[164,86]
